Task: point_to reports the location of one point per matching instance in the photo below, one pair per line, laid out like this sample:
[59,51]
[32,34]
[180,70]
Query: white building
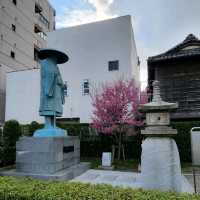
[98,52]
[23,28]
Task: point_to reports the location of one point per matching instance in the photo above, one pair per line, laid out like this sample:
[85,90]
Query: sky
[158,25]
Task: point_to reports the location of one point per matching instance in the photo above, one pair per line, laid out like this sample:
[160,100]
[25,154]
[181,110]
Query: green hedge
[28,189]
[92,145]
[103,143]
[183,138]
[11,133]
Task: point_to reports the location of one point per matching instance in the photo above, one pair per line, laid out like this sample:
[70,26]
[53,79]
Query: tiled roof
[180,50]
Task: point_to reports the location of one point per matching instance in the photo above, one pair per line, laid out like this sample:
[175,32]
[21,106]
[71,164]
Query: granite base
[63,175]
[48,158]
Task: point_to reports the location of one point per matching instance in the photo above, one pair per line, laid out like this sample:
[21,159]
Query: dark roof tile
[178,51]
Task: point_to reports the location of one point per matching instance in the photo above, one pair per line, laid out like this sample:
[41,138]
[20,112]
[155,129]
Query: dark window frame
[12,54]
[36,51]
[38,8]
[54,12]
[113,65]
[44,20]
[14,2]
[86,87]
[13,27]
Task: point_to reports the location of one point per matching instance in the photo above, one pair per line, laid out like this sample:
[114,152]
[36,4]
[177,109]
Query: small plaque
[106,159]
[68,149]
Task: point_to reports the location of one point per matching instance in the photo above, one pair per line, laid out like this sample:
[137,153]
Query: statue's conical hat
[53,53]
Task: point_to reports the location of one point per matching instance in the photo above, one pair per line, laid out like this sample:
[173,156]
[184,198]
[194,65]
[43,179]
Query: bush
[11,133]
[33,127]
[76,129]
[183,138]
[28,189]
[1,146]
[73,129]
[92,145]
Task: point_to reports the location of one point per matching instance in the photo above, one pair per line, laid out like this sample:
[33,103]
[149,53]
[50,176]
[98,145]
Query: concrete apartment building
[23,31]
[99,52]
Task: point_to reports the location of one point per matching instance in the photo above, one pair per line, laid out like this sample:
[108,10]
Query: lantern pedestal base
[160,165]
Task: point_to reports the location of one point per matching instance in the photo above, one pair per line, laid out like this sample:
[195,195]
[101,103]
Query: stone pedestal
[55,158]
[46,155]
[160,165]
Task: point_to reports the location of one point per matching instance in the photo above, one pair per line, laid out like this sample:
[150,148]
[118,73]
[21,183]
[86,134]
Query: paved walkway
[115,178]
[118,178]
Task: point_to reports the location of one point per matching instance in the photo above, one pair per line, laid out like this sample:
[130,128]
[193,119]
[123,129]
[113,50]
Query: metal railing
[193,176]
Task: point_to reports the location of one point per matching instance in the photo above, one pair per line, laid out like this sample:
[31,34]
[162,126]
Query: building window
[86,87]
[12,54]
[54,25]
[37,28]
[138,61]
[14,2]
[113,65]
[44,20]
[66,89]
[42,35]
[13,27]
[54,12]
[38,31]
[38,8]
[36,52]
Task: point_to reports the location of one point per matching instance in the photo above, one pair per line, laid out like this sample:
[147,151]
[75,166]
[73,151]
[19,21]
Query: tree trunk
[113,153]
[119,145]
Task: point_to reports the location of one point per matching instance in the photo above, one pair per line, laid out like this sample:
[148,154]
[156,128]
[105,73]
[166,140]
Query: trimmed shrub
[28,189]
[76,129]
[92,144]
[183,138]
[33,127]
[11,133]
[1,146]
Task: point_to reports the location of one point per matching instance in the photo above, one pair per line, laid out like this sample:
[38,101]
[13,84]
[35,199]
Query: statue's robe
[52,90]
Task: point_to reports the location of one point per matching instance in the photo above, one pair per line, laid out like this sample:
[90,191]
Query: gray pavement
[123,179]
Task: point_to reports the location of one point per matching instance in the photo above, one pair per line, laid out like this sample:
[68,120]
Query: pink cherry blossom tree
[115,109]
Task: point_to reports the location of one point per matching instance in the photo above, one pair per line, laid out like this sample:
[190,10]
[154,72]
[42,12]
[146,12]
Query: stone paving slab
[62,175]
[118,178]
[115,178]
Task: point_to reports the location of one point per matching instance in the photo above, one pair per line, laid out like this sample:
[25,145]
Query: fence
[193,176]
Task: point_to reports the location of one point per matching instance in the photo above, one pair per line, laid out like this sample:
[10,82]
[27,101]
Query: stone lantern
[160,162]
[157,115]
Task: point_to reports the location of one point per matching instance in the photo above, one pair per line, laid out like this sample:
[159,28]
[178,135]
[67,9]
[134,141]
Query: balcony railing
[44,20]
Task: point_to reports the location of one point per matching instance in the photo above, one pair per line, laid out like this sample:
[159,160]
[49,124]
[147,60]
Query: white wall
[90,47]
[22,96]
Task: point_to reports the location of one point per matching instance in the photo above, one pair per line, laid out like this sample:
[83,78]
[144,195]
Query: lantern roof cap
[157,104]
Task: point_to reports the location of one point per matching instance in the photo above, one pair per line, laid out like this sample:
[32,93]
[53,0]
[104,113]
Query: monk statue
[51,92]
